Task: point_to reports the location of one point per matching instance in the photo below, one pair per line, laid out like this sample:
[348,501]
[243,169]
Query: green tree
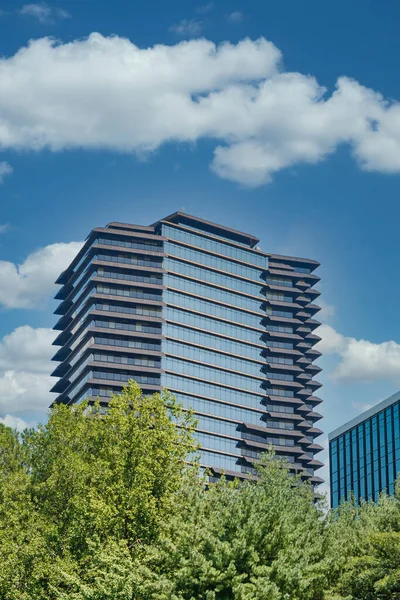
[96,507]
[259,540]
[366,548]
[23,551]
[83,496]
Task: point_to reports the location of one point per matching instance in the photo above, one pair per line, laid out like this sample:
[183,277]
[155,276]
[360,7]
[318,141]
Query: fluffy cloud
[27,349]
[187,28]
[27,285]
[43,12]
[360,360]
[327,311]
[5,168]
[24,392]
[107,93]
[205,8]
[235,17]
[14,422]
[331,341]
[25,367]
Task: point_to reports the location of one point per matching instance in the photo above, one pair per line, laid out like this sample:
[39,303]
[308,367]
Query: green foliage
[366,545]
[260,540]
[83,495]
[108,508]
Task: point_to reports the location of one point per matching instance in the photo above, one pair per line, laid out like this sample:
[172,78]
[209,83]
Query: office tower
[199,309]
[365,453]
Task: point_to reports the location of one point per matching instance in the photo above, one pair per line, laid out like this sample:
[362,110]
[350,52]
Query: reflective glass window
[212,277]
[214,262]
[212,245]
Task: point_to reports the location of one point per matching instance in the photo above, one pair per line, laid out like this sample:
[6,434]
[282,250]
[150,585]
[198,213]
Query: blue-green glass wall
[365,460]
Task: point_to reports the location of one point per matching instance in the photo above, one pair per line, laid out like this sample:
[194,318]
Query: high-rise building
[199,309]
[365,453]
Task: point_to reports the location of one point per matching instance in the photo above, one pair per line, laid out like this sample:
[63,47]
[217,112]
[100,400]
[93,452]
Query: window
[214,262]
[127,343]
[279,313]
[283,345]
[129,292]
[280,408]
[200,241]
[124,377]
[200,338]
[147,311]
[131,326]
[280,392]
[123,359]
[177,383]
[279,376]
[202,274]
[208,324]
[130,259]
[280,360]
[275,280]
[129,243]
[140,277]
[279,328]
[210,308]
[280,424]
[280,441]
[211,358]
[218,408]
[206,373]
[180,284]
[279,297]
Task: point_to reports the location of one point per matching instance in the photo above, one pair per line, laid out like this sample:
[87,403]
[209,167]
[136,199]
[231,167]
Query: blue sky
[148,117]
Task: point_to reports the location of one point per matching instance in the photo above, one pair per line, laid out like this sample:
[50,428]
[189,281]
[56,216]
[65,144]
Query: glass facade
[365,454]
[198,309]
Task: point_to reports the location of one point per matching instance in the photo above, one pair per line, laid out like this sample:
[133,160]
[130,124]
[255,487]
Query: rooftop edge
[247,237]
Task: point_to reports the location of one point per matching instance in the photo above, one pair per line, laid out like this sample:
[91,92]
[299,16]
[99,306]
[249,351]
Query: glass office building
[199,309]
[365,453]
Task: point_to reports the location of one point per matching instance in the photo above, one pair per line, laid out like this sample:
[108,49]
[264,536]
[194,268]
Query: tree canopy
[82,496]
[114,507]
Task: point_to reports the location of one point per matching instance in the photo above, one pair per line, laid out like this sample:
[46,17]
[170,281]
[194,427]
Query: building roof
[371,412]
[183,218]
[179,217]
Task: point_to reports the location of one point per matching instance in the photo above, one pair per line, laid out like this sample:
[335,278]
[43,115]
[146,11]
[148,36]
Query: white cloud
[205,8]
[24,392]
[107,93]
[25,367]
[15,422]
[5,168]
[5,227]
[187,28]
[361,407]
[331,342]
[43,12]
[27,349]
[235,17]
[360,360]
[327,311]
[27,285]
